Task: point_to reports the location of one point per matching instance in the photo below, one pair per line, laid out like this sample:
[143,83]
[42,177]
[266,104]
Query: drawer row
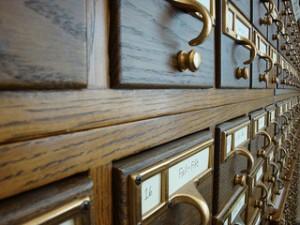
[241,44]
[239,175]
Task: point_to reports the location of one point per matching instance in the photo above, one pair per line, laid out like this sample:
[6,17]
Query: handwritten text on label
[184,171]
[151,193]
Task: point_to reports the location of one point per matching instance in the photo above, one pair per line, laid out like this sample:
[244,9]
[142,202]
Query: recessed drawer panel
[234,161]
[162,43]
[67,202]
[244,7]
[236,50]
[261,16]
[166,183]
[43,44]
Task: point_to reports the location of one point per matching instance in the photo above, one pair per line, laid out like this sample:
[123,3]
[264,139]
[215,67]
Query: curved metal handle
[272,6]
[281,24]
[280,184]
[279,127]
[244,41]
[290,143]
[286,119]
[264,133]
[271,205]
[280,68]
[270,61]
[265,189]
[284,151]
[276,171]
[247,154]
[198,202]
[198,8]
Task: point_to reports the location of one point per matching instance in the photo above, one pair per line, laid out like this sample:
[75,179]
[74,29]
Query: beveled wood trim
[30,164]
[39,114]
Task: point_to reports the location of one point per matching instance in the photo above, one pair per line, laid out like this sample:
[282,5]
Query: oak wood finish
[43,44]
[180,214]
[145,39]
[27,206]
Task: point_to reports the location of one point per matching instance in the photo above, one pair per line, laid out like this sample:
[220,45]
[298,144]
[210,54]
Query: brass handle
[281,24]
[291,115]
[197,201]
[286,119]
[272,6]
[264,133]
[280,184]
[198,8]
[190,60]
[271,205]
[241,179]
[270,61]
[279,127]
[280,68]
[281,149]
[276,171]
[289,142]
[265,189]
[244,41]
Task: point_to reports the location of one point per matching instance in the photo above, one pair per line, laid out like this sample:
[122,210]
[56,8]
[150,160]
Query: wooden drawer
[166,183]
[261,17]
[276,71]
[43,44]
[235,48]
[233,160]
[146,37]
[67,201]
[244,7]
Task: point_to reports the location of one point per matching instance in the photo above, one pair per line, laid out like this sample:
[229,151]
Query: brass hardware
[198,8]
[242,73]
[280,68]
[244,41]
[261,153]
[281,25]
[258,204]
[266,20]
[241,179]
[263,77]
[275,173]
[286,119]
[265,189]
[190,61]
[271,4]
[281,186]
[197,201]
[271,179]
[274,80]
[284,81]
[271,205]
[264,133]
[275,37]
[270,61]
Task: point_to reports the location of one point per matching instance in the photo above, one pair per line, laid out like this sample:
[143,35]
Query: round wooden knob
[242,73]
[190,61]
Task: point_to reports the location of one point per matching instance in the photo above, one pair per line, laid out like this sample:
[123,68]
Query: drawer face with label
[166,183]
[276,28]
[236,50]
[260,140]
[244,7]
[233,160]
[276,71]
[65,202]
[261,66]
[158,44]
[261,17]
[272,127]
[235,210]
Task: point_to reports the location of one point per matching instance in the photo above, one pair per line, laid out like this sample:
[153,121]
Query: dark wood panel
[145,39]
[35,203]
[39,114]
[43,44]
[26,165]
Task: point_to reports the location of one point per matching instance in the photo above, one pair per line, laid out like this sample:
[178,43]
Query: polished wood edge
[43,113]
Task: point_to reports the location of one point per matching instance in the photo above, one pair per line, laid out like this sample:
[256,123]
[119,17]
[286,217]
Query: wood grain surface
[29,164]
[43,44]
[38,114]
[145,39]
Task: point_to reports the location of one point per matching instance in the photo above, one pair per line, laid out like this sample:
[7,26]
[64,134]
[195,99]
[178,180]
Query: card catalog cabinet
[161,43]
[170,184]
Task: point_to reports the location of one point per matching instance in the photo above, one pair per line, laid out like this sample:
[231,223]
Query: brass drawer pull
[262,152]
[272,6]
[197,8]
[270,61]
[197,201]
[280,68]
[241,179]
[264,188]
[244,41]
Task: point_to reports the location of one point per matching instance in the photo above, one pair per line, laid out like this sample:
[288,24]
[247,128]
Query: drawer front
[260,140]
[68,201]
[275,29]
[43,44]
[236,50]
[244,7]
[276,71]
[147,37]
[233,159]
[261,21]
[154,186]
